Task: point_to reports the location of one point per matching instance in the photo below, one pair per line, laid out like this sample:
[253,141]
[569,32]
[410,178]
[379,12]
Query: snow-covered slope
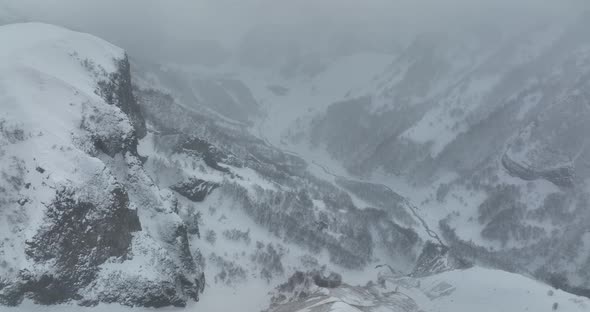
[146,194]
[469,290]
[475,289]
[79,218]
[263,215]
[259,191]
[85,214]
[83,220]
[483,131]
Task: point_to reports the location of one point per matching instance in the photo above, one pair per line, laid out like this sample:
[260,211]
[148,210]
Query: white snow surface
[45,91]
[50,113]
[480,289]
[475,289]
[49,98]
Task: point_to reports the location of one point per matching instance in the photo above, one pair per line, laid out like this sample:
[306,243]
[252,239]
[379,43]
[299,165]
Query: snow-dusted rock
[453,291]
[76,208]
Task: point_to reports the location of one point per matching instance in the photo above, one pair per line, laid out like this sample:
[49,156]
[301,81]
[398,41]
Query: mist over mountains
[294,155]
[173,30]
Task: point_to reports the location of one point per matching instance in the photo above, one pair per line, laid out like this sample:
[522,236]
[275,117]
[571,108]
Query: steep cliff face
[77,210]
[116,89]
[76,238]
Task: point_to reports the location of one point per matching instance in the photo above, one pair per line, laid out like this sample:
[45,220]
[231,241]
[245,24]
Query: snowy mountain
[485,132]
[126,185]
[104,188]
[80,218]
[474,289]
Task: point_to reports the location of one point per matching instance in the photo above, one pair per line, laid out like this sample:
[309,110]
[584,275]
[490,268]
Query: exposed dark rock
[80,250]
[190,288]
[195,189]
[117,90]
[431,260]
[181,283]
[193,223]
[299,284]
[436,259]
[333,280]
[294,280]
[210,154]
[114,145]
[11,293]
[186,257]
[77,237]
[146,294]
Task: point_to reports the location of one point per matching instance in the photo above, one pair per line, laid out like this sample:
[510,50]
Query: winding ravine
[325,169]
[412,208]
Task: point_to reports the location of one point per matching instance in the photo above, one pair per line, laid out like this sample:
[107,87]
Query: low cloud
[156,28]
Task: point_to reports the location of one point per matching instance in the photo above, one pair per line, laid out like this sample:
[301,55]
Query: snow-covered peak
[55,50]
[47,73]
[70,218]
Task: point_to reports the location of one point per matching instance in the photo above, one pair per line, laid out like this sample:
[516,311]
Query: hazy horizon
[172,30]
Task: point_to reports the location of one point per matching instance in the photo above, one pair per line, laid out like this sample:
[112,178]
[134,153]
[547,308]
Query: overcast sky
[149,24]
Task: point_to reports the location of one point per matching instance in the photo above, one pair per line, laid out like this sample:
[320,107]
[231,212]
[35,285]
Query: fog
[209,30]
[281,154]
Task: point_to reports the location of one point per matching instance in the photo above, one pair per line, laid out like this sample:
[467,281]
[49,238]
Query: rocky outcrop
[302,293]
[195,189]
[76,238]
[207,151]
[436,259]
[77,209]
[116,89]
[561,176]
[333,280]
